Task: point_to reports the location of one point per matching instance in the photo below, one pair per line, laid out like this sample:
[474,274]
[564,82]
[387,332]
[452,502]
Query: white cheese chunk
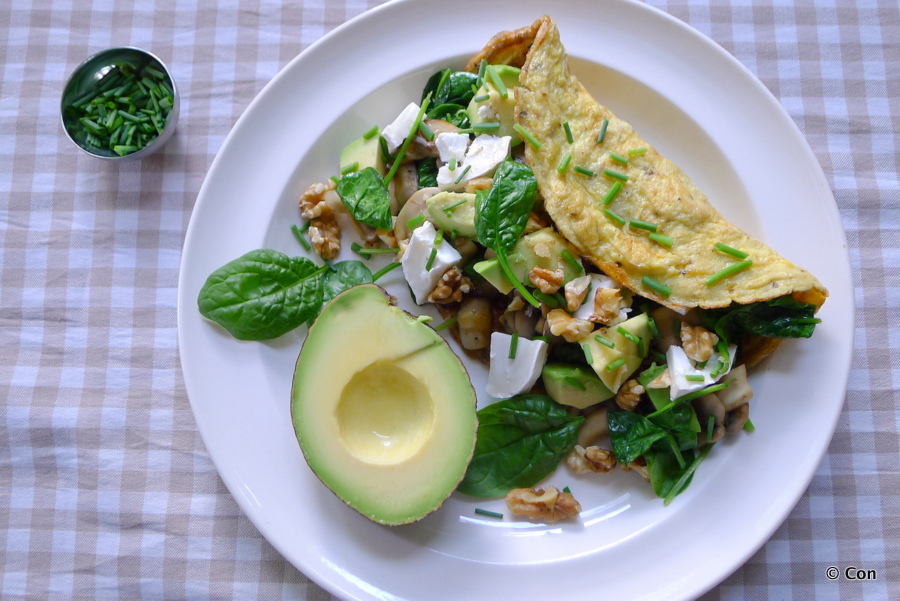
[486,111]
[509,377]
[482,157]
[415,261]
[452,146]
[680,366]
[396,132]
[598,281]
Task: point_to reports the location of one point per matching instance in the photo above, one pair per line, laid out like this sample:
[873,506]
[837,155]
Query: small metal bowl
[93,75]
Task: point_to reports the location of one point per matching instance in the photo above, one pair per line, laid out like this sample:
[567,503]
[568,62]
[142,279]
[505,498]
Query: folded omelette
[608,210]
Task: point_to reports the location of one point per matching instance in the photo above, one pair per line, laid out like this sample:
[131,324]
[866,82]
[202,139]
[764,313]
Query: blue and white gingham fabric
[106,490]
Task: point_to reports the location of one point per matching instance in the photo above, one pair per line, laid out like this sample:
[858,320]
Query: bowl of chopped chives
[120,104]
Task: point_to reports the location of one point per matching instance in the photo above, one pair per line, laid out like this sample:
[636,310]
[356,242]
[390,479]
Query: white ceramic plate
[701,108]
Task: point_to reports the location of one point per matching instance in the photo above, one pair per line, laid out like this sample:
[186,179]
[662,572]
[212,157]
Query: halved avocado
[382,408]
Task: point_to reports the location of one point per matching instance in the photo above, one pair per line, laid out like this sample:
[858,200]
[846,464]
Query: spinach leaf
[427,171]
[520,441]
[341,276]
[451,113]
[366,197]
[660,397]
[665,472]
[450,87]
[632,435]
[502,212]
[778,318]
[262,294]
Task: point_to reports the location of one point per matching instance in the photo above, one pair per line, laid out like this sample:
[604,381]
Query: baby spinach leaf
[632,435]
[450,87]
[520,441]
[262,294]
[451,113]
[341,276]
[502,211]
[778,318]
[366,197]
[665,471]
[427,171]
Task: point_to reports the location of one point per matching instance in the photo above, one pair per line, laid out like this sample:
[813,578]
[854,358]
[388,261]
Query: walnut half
[545,504]
[582,460]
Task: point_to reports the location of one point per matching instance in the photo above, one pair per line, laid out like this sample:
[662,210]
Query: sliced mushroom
[708,406]
[414,206]
[738,392]
[665,319]
[737,418]
[595,425]
[405,184]
[439,126]
[474,321]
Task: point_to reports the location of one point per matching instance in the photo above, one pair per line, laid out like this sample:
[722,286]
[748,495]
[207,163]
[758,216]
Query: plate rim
[185,304]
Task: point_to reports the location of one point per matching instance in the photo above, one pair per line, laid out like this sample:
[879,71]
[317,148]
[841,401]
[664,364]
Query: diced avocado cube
[574,385]
[496,108]
[365,153]
[545,248]
[490,270]
[631,353]
[453,212]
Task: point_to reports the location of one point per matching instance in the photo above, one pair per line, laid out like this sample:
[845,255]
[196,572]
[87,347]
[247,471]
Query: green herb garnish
[602,135]
[513,345]
[568,130]
[583,171]
[564,163]
[728,250]
[526,135]
[615,175]
[730,270]
[656,286]
[612,192]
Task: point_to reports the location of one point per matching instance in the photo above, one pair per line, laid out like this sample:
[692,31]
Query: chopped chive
[566,489]
[636,152]
[564,163]
[588,355]
[604,341]
[449,208]
[438,237]
[690,397]
[583,171]
[602,135]
[424,318]
[298,234]
[654,329]
[490,514]
[575,383]
[513,345]
[415,222]
[350,168]
[643,225]
[569,137]
[661,239]
[728,250]
[482,68]
[612,192]
[426,131]
[613,366]
[547,299]
[710,426]
[541,338]
[618,158]
[431,257]
[366,253]
[572,261]
[371,132]
[748,426]
[658,287]
[658,355]
[683,480]
[123,150]
[463,174]
[481,98]
[526,135]
[730,270]
[452,163]
[618,219]
[335,178]
[615,175]
[445,324]
[384,270]
[628,335]
[497,81]
[694,378]
[676,327]
[478,128]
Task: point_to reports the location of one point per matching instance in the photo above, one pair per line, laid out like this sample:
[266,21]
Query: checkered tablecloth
[106,490]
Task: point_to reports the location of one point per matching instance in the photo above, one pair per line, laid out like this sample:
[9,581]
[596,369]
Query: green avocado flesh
[383,410]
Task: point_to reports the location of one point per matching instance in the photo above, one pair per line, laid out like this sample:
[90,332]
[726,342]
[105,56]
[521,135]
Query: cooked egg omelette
[644,223]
